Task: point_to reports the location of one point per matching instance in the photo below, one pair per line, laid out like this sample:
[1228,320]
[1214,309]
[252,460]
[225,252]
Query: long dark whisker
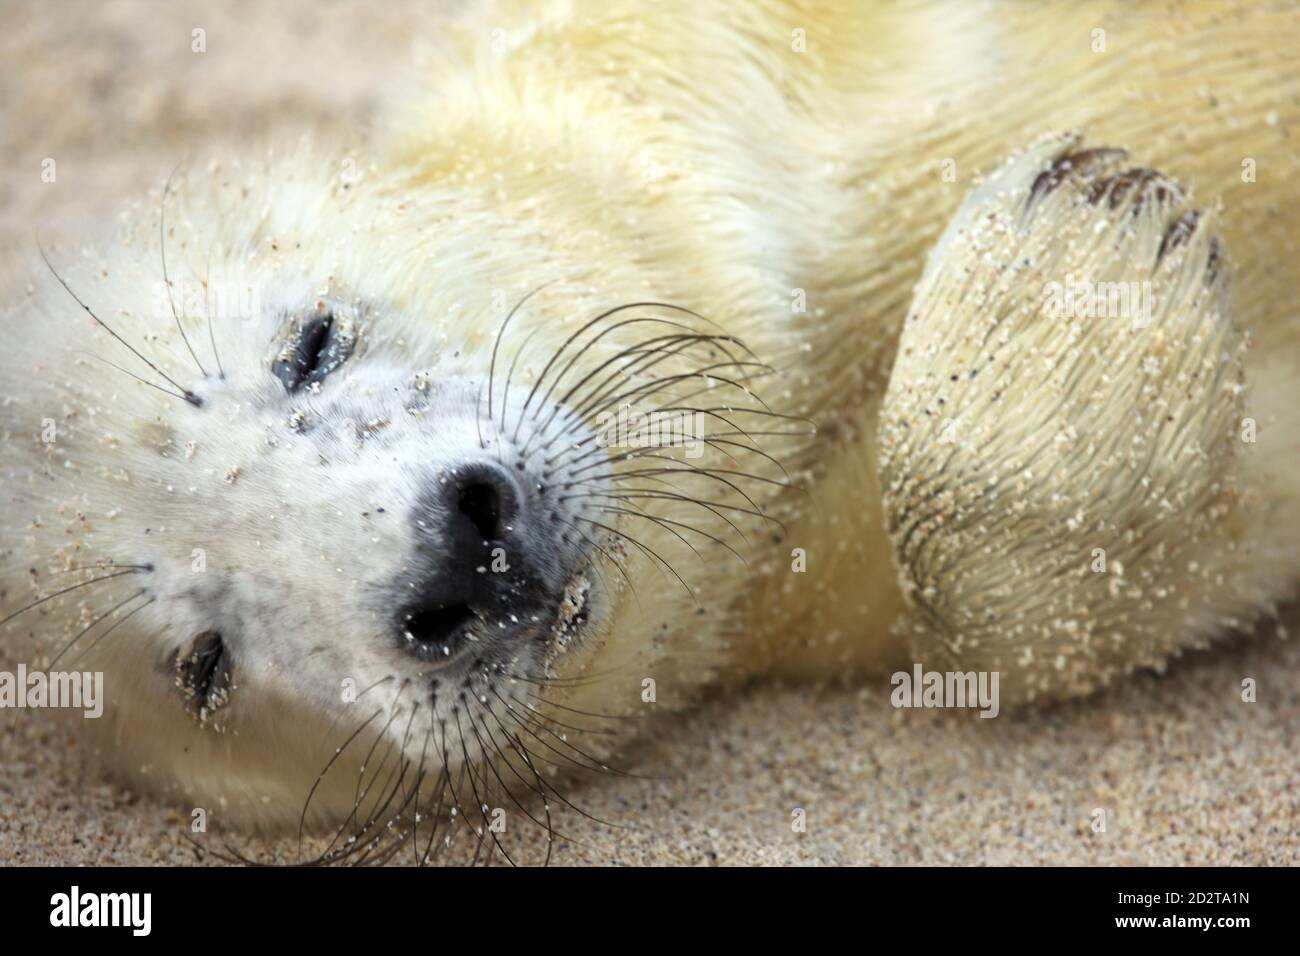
[646,389]
[455,795]
[128,372]
[569,341]
[185,393]
[114,626]
[575,415]
[509,765]
[82,633]
[51,597]
[497,345]
[444,781]
[338,752]
[540,787]
[106,566]
[510,374]
[532,726]
[599,397]
[415,809]
[689,336]
[541,715]
[755,512]
[207,306]
[588,713]
[480,801]
[651,474]
[629,495]
[648,551]
[640,363]
[669,523]
[167,282]
[609,557]
[517,744]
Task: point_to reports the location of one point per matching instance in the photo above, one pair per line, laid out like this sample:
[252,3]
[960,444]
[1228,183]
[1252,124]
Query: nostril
[483,498]
[437,630]
[480,502]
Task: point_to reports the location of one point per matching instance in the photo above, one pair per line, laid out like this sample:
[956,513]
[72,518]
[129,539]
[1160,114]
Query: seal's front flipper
[1060,442]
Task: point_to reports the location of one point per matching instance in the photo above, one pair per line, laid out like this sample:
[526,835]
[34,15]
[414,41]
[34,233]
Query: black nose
[468,572]
[482,504]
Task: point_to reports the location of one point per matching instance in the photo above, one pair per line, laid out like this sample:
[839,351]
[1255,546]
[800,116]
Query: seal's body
[594,380]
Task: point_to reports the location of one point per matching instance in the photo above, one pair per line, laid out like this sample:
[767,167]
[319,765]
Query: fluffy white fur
[736,162]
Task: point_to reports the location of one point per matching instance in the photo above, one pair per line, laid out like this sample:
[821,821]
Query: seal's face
[361,519]
[341,525]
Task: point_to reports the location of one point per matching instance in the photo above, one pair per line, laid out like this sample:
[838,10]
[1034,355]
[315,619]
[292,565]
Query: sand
[1185,771]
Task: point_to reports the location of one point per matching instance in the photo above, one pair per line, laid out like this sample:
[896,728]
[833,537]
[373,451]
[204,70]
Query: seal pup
[392,521]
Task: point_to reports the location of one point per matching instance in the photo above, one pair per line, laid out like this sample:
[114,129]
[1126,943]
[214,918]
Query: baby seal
[383,492]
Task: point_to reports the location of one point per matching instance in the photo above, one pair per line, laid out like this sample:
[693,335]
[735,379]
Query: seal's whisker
[415,809]
[588,713]
[98,566]
[600,397]
[561,683]
[357,845]
[568,763]
[184,393]
[207,309]
[85,651]
[167,282]
[374,844]
[679,466]
[546,826]
[648,551]
[528,756]
[480,800]
[669,524]
[574,414]
[496,345]
[358,796]
[457,809]
[772,370]
[540,789]
[379,852]
[436,815]
[630,495]
[82,633]
[531,725]
[541,715]
[739,409]
[609,557]
[338,753]
[638,353]
[709,504]
[571,459]
[510,373]
[130,374]
[706,372]
[687,469]
[555,357]
[399,769]
[68,590]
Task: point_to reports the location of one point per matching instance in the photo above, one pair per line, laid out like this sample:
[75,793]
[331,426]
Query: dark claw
[1071,163]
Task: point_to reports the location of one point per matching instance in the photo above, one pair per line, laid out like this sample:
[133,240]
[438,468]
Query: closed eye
[316,349]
